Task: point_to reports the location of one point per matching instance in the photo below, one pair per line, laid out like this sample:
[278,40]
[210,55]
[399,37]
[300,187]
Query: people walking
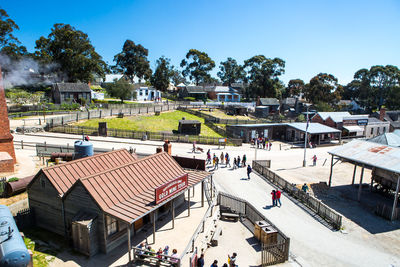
[234,163]
[215,264]
[208,157]
[222,157]
[248,171]
[232,260]
[314,160]
[200,261]
[227,160]
[214,160]
[238,161]
[278,198]
[194,147]
[244,159]
[270,145]
[273,194]
[216,163]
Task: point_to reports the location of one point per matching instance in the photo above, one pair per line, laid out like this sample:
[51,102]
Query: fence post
[22,144]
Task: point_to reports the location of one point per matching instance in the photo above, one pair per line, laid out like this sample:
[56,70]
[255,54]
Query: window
[384,129]
[372,130]
[379,131]
[147,92]
[42,182]
[112,225]
[140,92]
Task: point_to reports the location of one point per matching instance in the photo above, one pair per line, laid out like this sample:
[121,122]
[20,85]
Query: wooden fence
[270,254]
[25,219]
[154,136]
[326,213]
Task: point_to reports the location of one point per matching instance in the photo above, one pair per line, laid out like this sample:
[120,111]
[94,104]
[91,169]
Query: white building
[147,94]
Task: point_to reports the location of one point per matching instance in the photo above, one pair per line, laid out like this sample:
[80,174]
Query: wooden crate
[258,228]
[269,235]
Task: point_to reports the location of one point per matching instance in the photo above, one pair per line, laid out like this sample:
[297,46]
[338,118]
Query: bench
[215,238]
[152,258]
[228,213]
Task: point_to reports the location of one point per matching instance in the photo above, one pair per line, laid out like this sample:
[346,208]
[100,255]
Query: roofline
[127,164]
[82,159]
[363,162]
[165,201]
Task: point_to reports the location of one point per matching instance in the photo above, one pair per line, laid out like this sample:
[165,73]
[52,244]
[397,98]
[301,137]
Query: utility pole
[305,141]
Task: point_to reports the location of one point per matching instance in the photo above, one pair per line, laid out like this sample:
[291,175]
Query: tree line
[73,58]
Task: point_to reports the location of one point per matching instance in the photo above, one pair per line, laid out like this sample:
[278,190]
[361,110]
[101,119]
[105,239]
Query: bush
[189,98]
[13,179]
[300,118]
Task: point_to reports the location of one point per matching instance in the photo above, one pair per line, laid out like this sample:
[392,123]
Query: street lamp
[305,140]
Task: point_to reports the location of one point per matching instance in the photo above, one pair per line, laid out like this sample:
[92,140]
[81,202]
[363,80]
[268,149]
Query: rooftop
[72,87]
[390,139]
[335,116]
[313,128]
[269,101]
[371,154]
[64,176]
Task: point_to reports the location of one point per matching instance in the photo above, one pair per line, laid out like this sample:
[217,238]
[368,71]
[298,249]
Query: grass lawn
[44,245]
[167,122]
[220,114]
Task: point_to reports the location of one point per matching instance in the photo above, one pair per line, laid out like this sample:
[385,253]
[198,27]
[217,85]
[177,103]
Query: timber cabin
[96,201]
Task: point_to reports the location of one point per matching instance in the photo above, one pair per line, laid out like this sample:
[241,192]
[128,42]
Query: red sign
[171,188]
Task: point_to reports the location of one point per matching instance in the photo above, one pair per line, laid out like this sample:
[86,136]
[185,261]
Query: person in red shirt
[278,198]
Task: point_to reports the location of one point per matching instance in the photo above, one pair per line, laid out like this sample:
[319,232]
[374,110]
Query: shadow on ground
[343,199]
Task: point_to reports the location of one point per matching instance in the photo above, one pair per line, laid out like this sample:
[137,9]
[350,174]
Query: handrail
[199,227]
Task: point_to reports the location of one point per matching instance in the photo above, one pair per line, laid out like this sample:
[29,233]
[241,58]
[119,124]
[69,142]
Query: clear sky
[337,37]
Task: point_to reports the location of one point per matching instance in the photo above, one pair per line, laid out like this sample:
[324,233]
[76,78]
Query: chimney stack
[6,138]
[158,150]
[382,113]
[167,147]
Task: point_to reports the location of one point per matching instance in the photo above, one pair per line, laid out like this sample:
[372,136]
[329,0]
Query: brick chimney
[6,139]
[382,114]
[167,147]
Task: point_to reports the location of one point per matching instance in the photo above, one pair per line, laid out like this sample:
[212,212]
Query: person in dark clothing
[244,159]
[248,171]
[200,261]
[215,264]
[238,161]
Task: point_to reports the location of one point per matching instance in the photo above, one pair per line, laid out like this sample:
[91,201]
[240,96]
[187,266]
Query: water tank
[83,149]
[13,252]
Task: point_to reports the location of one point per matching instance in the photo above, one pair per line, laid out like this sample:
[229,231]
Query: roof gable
[72,87]
[269,101]
[335,116]
[127,191]
[63,176]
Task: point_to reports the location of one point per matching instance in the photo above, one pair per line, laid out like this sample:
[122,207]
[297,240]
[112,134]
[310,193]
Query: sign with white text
[171,188]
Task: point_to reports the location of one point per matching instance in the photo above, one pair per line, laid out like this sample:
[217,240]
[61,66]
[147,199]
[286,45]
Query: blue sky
[337,37]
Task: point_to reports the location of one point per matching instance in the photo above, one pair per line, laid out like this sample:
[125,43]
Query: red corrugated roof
[127,191]
[63,176]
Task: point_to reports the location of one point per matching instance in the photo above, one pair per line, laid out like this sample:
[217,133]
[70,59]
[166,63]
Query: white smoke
[27,72]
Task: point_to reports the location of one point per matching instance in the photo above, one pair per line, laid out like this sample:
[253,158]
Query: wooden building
[192,127]
[101,201]
[71,92]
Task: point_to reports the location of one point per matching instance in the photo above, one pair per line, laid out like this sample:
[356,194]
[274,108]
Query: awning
[353,128]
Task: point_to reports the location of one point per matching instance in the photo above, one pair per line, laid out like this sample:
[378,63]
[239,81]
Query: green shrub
[13,179]
[189,98]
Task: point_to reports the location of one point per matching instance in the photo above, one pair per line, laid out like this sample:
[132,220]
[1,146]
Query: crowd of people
[262,143]
[231,261]
[225,159]
[145,249]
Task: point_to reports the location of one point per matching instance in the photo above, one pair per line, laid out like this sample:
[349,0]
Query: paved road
[312,244]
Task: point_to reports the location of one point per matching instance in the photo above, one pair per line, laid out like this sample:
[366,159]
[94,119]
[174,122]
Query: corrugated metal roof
[335,116]
[269,101]
[63,176]
[313,128]
[353,128]
[390,139]
[72,87]
[371,154]
[127,192]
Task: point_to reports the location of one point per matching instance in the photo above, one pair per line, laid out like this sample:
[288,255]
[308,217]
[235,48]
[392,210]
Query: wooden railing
[326,213]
